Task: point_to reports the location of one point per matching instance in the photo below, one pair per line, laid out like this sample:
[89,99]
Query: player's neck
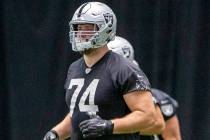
[95,56]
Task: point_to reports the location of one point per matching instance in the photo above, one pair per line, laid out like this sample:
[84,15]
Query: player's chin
[87,51]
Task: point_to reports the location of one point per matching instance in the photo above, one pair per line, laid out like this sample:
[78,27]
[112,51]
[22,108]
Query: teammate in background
[168,108]
[108,98]
[164,102]
[121,46]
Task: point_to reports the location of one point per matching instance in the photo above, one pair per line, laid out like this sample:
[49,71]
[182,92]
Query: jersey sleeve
[130,78]
[166,103]
[168,109]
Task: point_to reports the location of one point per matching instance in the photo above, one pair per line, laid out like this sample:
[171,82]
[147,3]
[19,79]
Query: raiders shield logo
[87,70]
[167,109]
[108,18]
[126,52]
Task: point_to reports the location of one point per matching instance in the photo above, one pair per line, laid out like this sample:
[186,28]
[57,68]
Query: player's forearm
[134,122]
[155,129]
[64,128]
[159,125]
[172,130]
[171,135]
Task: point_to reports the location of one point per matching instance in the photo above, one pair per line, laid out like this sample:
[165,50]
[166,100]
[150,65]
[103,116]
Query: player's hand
[51,135]
[96,127]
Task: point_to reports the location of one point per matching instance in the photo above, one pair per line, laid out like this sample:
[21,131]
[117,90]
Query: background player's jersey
[167,104]
[168,107]
[100,90]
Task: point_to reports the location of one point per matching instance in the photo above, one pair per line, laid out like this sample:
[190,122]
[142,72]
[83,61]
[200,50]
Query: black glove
[51,135]
[96,127]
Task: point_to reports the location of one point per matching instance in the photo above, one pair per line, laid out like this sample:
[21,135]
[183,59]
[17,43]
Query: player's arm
[143,114]
[172,130]
[64,127]
[61,130]
[159,124]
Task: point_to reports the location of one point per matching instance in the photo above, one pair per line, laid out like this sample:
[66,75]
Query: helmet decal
[108,18]
[80,10]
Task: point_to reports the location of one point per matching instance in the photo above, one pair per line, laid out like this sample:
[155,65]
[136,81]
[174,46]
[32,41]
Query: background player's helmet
[98,14]
[122,47]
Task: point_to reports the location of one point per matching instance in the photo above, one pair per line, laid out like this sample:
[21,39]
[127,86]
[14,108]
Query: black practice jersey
[168,107]
[100,90]
[167,104]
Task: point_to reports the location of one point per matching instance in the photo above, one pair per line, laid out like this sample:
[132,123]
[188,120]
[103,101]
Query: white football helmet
[122,47]
[95,13]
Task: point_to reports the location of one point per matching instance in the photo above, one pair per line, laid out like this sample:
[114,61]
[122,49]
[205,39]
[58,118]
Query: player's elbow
[155,123]
[159,126]
[159,122]
[150,117]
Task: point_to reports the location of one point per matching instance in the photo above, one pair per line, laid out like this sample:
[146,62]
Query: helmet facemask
[96,38]
[82,39]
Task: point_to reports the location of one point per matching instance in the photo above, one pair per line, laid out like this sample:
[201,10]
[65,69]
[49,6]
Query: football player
[164,102]
[108,97]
